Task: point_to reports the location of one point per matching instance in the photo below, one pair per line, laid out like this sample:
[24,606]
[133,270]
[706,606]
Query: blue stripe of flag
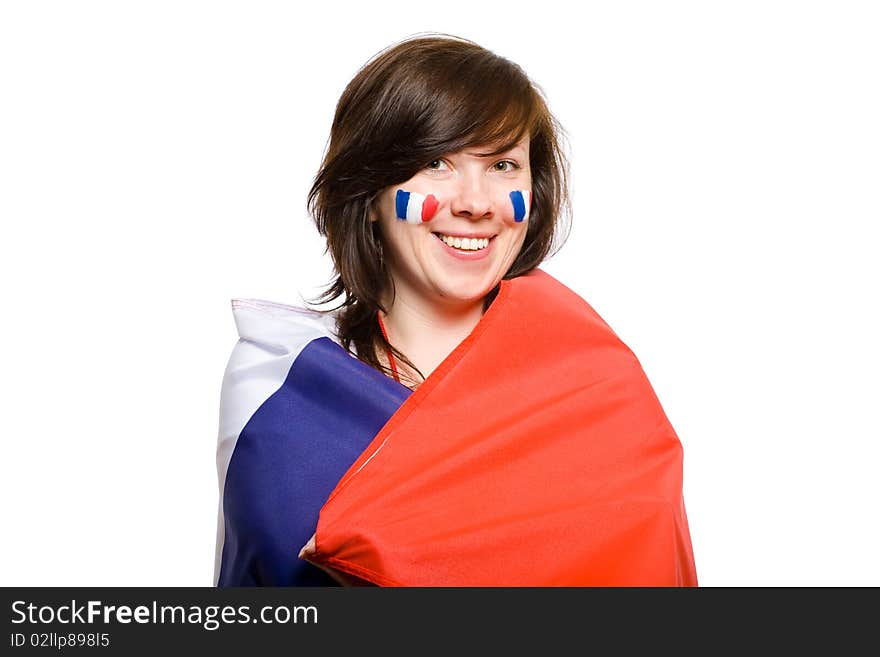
[519,205]
[289,458]
[401,203]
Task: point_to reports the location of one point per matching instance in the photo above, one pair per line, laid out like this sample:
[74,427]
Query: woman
[462,418]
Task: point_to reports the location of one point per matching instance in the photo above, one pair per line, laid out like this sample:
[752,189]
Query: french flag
[281,451]
[415,208]
[522,203]
[446,485]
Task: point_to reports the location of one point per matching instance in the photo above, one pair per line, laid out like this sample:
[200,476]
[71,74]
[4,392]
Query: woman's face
[471,198]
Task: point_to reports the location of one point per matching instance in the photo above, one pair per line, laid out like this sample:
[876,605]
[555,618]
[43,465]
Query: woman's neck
[428,332]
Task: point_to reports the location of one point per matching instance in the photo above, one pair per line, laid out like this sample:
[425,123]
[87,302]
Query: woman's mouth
[465,248]
[464,244]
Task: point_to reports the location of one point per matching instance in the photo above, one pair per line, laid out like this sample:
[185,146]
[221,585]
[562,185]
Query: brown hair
[410,104]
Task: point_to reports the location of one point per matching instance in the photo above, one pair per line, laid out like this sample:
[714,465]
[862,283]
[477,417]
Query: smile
[464,244]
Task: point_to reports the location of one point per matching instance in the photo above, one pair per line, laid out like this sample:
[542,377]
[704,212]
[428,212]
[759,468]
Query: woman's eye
[510,165]
[436,165]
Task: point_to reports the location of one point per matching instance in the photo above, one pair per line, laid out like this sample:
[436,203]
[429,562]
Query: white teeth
[464,243]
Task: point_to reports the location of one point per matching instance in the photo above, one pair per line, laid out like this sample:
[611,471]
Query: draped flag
[536,454]
[293,418]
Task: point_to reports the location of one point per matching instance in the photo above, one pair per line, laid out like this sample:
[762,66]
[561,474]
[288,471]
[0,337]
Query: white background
[154,163]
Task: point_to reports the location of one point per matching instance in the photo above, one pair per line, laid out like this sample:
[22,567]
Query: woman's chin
[463,290]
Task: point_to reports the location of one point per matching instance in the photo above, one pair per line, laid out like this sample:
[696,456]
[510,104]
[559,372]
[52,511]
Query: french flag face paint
[415,208]
[522,203]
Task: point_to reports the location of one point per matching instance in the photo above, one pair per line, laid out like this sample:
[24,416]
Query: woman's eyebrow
[507,151]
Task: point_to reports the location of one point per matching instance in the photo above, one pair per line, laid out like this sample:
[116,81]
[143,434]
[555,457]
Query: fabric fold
[536,454]
[296,410]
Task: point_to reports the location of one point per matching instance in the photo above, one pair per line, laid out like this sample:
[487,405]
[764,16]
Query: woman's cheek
[415,208]
[520,205]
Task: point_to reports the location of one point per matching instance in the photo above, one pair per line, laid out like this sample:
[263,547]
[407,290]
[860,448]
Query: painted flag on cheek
[415,208]
[522,203]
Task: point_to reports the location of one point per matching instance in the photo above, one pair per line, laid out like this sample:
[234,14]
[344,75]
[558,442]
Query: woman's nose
[472,199]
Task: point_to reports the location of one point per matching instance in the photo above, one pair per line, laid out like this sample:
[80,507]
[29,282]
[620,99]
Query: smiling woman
[443,266]
[461,417]
[442,124]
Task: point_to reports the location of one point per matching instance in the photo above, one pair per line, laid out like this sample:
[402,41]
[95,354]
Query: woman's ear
[373,205]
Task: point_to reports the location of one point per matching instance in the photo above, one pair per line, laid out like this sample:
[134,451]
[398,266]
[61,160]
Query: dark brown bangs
[496,108]
[447,100]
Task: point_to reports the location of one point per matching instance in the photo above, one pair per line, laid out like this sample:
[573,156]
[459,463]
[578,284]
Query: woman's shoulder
[272,336]
[538,289]
[282,325]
